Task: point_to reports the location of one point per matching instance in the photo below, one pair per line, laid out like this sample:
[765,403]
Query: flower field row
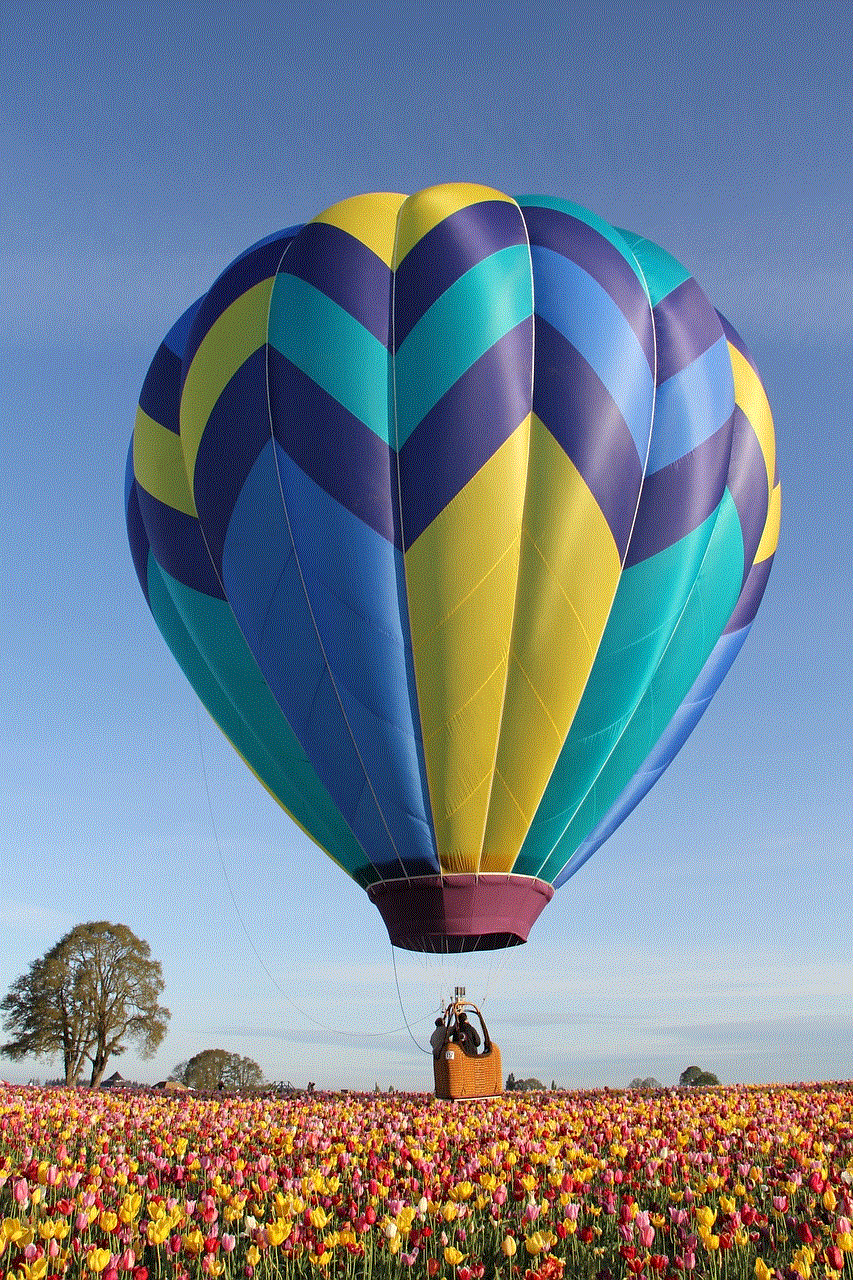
[734,1182]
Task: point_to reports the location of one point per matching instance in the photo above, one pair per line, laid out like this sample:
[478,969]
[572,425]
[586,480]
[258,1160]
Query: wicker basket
[464,1075]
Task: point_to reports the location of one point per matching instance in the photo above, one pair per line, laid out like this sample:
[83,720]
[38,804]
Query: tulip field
[143,1185]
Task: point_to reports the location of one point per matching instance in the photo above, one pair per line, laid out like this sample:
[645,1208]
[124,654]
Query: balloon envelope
[455,509]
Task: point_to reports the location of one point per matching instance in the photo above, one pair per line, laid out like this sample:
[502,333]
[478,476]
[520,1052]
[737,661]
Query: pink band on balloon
[460,912]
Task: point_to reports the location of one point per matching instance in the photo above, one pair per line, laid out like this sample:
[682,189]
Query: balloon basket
[461,1075]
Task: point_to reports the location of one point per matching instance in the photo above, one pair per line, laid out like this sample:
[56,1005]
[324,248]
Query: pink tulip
[647,1235]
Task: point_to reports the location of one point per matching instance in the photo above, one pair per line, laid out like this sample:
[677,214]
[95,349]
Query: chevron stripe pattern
[454,508]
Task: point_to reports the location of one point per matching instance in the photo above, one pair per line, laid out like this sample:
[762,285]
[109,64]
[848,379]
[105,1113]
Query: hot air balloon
[455,509]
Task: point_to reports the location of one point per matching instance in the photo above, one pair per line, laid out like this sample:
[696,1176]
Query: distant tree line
[690,1078]
[528,1085]
[695,1077]
[214,1069]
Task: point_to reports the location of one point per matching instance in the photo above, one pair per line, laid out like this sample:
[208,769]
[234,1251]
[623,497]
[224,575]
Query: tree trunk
[99,1066]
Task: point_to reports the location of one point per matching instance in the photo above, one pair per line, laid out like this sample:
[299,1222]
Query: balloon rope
[338,1031]
[403,1011]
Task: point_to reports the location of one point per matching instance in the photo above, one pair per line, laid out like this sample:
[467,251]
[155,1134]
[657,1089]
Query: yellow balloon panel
[372,219]
[234,336]
[567,579]
[428,208]
[462,590]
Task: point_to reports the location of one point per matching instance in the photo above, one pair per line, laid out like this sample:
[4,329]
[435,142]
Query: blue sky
[144,147]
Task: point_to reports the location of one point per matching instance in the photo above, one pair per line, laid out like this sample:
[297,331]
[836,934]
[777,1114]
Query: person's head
[439,1022]
[463,1017]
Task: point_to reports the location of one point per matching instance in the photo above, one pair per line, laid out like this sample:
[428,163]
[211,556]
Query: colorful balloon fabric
[455,509]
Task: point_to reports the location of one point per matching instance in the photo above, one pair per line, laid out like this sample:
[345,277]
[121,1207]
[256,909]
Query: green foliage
[528,1085]
[645,1082]
[218,1069]
[96,990]
[693,1077]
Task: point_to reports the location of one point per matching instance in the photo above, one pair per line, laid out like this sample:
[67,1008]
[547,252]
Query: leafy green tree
[694,1077]
[217,1068]
[528,1085]
[93,993]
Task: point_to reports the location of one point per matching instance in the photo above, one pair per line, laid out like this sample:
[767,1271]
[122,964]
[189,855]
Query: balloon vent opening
[458,913]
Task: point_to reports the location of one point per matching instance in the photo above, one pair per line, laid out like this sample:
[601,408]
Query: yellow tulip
[828,1199]
[508,1247]
[278,1231]
[193,1243]
[762,1271]
[253,1255]
[449,1211]
[534,1244]
[36,1269]
[452,1256]
[318,1218]
[727,1204]
[130,1206]
[706,1216]
[98,1259]
[157,1231]
[108,1220]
